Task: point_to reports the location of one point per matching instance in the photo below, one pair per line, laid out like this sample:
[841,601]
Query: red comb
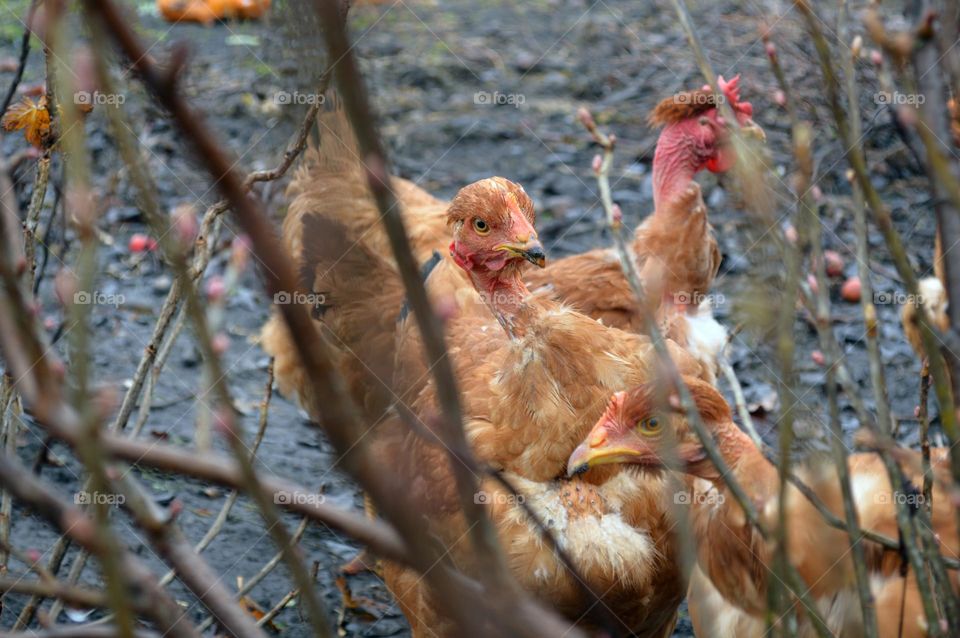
[731,90]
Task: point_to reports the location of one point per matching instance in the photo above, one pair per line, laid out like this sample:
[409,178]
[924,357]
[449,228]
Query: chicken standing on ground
[733,558]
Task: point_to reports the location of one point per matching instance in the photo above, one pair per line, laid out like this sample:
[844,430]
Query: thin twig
[268,567]
[739,400]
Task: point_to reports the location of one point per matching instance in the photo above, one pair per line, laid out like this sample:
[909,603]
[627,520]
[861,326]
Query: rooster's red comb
[731,91]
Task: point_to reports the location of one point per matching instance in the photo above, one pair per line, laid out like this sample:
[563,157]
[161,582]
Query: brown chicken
[675,246]
[734,560]
[534,376]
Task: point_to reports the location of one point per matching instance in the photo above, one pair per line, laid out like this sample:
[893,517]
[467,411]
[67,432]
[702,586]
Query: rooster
[734,559]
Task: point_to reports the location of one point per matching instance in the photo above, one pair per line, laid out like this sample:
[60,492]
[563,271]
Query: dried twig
[84,598]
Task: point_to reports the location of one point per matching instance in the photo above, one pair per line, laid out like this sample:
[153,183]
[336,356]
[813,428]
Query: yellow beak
[531,250]
[587,456]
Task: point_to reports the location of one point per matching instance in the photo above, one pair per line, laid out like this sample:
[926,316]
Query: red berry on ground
[833,263]
[850,290]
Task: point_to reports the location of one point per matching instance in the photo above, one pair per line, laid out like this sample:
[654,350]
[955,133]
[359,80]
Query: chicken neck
[676,161]
[730,550]
[748,465]
[505,294]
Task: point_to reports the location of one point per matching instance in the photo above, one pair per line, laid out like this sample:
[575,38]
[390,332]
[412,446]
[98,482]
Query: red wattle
[461,260]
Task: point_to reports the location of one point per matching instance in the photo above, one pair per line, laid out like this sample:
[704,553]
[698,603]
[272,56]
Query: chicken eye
[480,226]
[649,426]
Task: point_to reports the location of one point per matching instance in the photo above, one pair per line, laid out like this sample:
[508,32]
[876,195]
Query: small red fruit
[818,357]
[140,243]
[833,263]
[850,290]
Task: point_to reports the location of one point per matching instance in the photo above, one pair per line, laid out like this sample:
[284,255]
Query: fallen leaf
[366,607]
[251,607]
[30,116]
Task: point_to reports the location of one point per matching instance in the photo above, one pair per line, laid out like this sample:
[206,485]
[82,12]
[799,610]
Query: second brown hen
[674,246]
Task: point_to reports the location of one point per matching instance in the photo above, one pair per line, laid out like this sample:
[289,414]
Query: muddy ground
[464,89]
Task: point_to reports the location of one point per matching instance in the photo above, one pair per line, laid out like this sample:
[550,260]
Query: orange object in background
[207,11]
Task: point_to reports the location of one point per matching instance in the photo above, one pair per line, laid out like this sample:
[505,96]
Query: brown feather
[682,106]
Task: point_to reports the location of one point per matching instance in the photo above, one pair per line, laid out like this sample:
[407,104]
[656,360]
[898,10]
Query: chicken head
[696,136]
[643,426]
[493,226]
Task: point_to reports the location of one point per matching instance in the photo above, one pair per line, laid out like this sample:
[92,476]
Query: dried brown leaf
[30,116]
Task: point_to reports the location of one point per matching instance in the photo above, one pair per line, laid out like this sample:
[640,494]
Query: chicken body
[737,560]
[734,560]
